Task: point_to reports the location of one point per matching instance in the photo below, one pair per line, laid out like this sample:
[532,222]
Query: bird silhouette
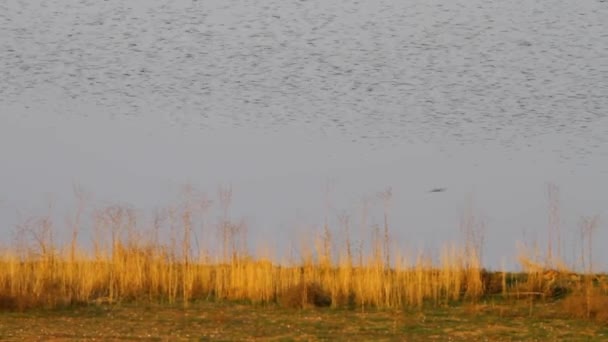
[437,190]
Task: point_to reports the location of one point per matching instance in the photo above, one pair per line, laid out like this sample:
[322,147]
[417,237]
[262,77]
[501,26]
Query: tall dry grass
[178,257]
[183,254]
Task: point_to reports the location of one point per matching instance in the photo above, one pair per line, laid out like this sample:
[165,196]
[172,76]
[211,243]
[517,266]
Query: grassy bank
[228,321]
[165,261]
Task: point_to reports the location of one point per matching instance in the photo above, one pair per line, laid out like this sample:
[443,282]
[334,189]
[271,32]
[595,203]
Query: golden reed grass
[180,257]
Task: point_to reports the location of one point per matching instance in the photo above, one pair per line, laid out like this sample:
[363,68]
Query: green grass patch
[228,321]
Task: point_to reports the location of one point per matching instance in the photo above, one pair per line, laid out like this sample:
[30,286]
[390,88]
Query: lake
[306,108]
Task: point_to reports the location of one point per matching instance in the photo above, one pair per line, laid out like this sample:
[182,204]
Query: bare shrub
[588,304]
[8,303]
[492,282]
[304,296]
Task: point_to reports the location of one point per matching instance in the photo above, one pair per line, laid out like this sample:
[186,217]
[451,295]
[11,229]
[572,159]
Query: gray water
[490,99]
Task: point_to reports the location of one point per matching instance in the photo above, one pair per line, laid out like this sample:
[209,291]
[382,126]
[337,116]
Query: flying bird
[437,190]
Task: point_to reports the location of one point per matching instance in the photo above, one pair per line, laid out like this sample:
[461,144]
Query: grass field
[229,321]
[178,277]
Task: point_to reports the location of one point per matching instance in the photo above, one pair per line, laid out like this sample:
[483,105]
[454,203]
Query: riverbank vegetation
[182,258]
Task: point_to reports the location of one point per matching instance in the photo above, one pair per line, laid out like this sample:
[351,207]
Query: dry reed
[177,258]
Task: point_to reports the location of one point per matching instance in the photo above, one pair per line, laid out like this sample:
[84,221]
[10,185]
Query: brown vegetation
[171,260]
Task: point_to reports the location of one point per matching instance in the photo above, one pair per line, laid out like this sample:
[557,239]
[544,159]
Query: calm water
[490,99]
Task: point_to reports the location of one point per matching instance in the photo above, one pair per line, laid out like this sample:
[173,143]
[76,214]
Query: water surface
[489,99]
